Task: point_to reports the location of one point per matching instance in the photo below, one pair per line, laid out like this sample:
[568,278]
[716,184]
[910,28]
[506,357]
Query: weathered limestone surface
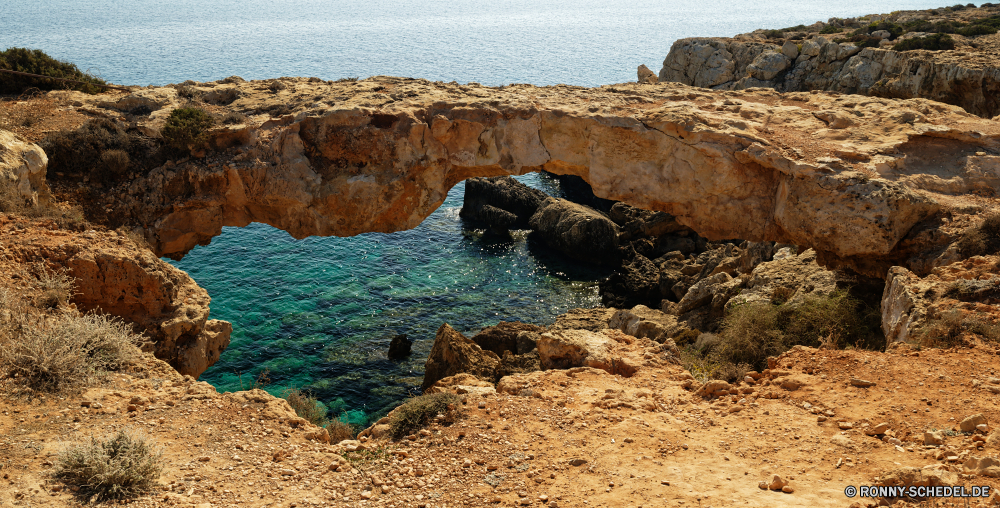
[740,63]
[817,170]
[24,164]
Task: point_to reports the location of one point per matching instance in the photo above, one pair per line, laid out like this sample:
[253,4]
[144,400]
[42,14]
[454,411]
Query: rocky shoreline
[737,201]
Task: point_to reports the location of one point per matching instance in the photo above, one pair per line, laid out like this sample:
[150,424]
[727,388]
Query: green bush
[936,42]
[123,465]
[830,29]
[102,149]
[418,411]
[186,128]
[35,61]
[306,406]
[752,332]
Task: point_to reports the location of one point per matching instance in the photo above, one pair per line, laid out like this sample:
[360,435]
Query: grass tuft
[122,465]
[306,406]
[417,412]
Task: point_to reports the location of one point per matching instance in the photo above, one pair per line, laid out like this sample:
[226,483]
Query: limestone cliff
[857,56]
[115,276]
[847,176]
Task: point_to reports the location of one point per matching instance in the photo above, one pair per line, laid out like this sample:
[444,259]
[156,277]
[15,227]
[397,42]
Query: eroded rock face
[737,64]
[23,164]
[116,277]
[815,170]
[453,353]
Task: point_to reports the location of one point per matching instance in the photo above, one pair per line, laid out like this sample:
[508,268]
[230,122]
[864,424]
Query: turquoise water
[318,313]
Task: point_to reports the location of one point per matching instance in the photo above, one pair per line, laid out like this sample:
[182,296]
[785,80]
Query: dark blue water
[318,313]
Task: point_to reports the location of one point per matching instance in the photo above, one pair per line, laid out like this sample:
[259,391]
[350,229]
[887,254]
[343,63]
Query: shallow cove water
[319,312]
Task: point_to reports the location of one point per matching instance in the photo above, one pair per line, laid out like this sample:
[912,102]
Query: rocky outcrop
[400,347]
[502,202]
[564,349]
[23,165]
[821,64]
[380,155]
[453,353]
[115,276]
[788,279]
[507,336]
[577,231]
[965,292]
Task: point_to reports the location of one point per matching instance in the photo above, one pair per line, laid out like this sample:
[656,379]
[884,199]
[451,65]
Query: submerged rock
[399,347]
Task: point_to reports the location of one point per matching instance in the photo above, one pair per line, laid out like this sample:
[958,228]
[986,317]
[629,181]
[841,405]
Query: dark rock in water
[594,320]
[399,347]
[638,282]
[637,222]
[503,336]
[577,190]
[518,364]
[577,231]
[454,353]
[486,198]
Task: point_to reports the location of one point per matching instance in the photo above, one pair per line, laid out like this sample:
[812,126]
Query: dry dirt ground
[571,438]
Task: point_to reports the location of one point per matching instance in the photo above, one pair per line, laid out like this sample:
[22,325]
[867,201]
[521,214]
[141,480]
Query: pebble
[861,383]
[845,425]
[577,462]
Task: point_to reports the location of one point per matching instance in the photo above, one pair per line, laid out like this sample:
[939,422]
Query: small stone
[845,425]
[970,423]
[628,440]
[982,427]
[204,458]
[787,489]
[933,438]
[366,494]
[665,482]
[482,405]
[861,383]
[762,485]
[821,419]
[748,380]
[877,430]
[776,483]
[577,462]
[131,407]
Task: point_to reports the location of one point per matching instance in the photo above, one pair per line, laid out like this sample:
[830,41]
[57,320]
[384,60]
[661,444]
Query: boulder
[983,466]
[969,423]
[702,292]
[501,202]
[646,76]
[461,384]
[787,280]
[453,353]
[641,321]
[564,349]
[577,231]
[636,283]
[930,476]
[768,65]
[24,165]
[504,336]
[399,347]
[511,363]
[593,320]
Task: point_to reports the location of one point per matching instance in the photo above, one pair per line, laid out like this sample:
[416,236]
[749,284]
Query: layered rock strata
[847,176]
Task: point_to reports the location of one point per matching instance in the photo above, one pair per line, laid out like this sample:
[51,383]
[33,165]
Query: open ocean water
[318,313]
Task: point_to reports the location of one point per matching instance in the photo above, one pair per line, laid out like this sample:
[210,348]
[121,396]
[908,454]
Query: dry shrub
[234,117]
[84,151]
[56,286]
[306,406]
[340,430]
[981,239]
[12,202]
[418,411]
[750,333]
[943,332]
[115,161]
[62,351]
[122,465]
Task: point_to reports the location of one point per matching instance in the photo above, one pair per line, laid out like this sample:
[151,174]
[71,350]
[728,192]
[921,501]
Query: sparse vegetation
[936,42]
[983,238]
[340,430]
[34,61]
[750,333]
[186,128]
[56,286]
[234,117]
[306,406]
[57,352]
[418,411]
[948,329]
[122,465]
[102,149]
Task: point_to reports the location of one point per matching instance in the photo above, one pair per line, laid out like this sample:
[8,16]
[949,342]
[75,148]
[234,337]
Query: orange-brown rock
[848,176]
[116,276]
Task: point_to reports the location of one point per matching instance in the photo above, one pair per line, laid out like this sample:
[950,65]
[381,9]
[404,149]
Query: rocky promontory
[875,55]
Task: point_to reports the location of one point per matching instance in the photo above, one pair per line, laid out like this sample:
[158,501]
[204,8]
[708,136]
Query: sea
[318,314]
